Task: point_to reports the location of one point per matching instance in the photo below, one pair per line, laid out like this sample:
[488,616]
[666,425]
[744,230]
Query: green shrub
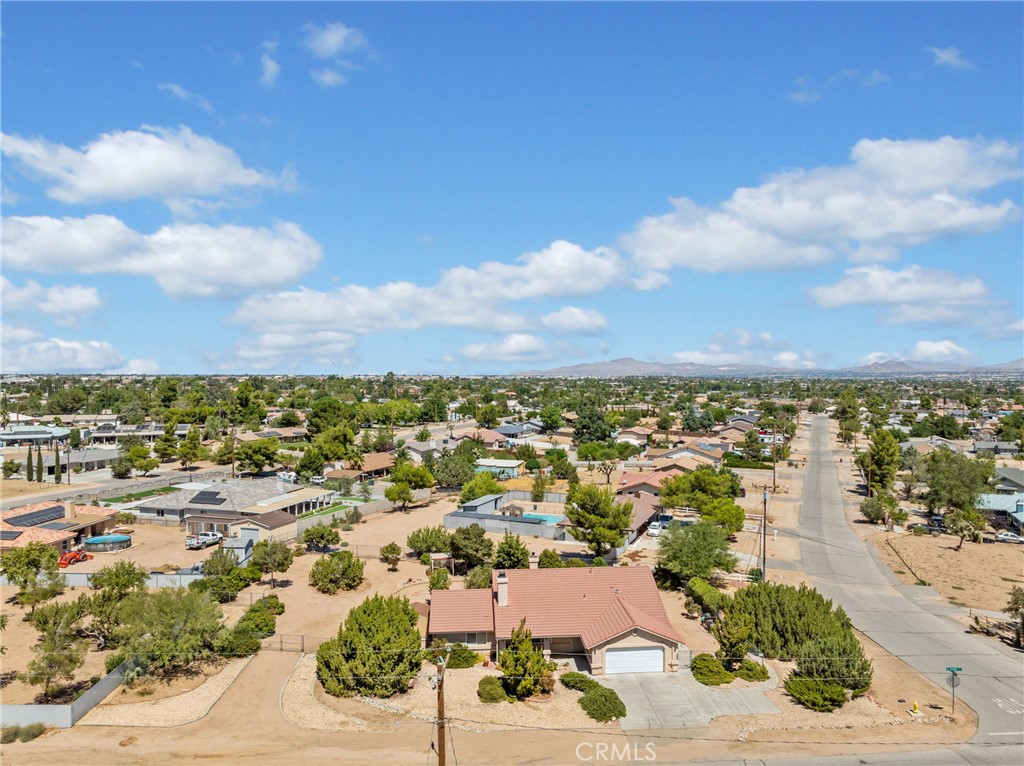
[602,704]
[751,671]
[271,603]
[578,682]
[239,641]
[8,734]
[920,531]
[837,660]
[440,579]
[461,656]
[708,596]
[599,562]
[30,732]
[709,671]
[816,695]
[575,563]
[490,690]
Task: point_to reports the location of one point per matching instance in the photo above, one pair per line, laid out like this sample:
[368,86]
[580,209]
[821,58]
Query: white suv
[318,480]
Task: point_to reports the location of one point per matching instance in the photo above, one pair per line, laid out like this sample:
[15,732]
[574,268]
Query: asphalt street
[992,682]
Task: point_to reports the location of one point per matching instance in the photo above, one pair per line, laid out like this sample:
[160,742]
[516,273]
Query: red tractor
[72,557]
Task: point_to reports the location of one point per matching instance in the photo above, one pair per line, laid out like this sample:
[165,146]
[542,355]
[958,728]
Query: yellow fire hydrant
[916,708]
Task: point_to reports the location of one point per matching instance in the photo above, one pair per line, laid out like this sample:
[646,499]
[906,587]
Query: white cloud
[950,58]
[892,195]
[56,355]
[939,351]
[12,334]
[65,304]
[875,78]
[573,320]
[186,260]
[741,346]
[291,350]
[877,285]
[269,68]
[138,367]
[805,93]
[329,78]
[333,40]
[517,347]
[878,357]
[151,162]
[186,96]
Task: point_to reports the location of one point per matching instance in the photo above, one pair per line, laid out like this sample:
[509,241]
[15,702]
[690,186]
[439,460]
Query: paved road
[845,571]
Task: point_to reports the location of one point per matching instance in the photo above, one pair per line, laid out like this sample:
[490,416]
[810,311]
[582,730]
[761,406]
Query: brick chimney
[69,511]
[534,561]
[502,581]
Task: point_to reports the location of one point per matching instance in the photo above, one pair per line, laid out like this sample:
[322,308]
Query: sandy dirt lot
[12,488]
[153,547]
[980,575]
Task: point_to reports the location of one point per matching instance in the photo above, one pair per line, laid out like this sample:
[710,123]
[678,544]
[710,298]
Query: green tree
[191,448]
[311,464]
[488,416]
[836,659]
[883,460]
[168,629]
[166,444]
[470,545]
[40,469]
[33,570]
[30,467]
[439,580]
[399,493]
[877,509]
[551,418]
[58,471]
[597,518]
[429,540]
[540,486]
[590,426]
[377,651]
[955,481]
[733,633]
[339,571]
[58,654]
[391,554]
[524,670]
[1015,608]
[271,557]
[478,577]
[725,513]
[122,578]
[511,553]
[416,476]
[254,456]
[451,470]
[222,563]
[483,483]
[665,420]
[696,550]
[964,523]
[139,459]
[549,559]
[320,537]
[751,445]
[11,467]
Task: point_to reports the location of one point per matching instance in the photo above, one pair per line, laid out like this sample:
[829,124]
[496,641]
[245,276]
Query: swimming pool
[108,543]
[546,518]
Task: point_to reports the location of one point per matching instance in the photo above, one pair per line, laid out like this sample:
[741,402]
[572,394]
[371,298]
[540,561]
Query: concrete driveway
[676,700]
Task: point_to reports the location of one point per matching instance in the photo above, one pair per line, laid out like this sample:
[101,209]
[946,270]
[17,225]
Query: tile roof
[84,516]
[460,611]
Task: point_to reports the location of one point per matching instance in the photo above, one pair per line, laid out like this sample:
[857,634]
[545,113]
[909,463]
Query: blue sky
[471,188]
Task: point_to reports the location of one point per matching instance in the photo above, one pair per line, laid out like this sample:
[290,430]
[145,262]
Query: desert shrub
[338,571]
[271,603]
[708,596]
[709,670]
[602,704]
[440,579]
[549,559]
[751,671]
[578,682]
[124,517]
[259,621]
[8,734]
[918,531]
[478,577]
[575,563]
[814,694]
[238,641]
[598,562]
[838,660]
[490,690]
[30,731]
[346,527]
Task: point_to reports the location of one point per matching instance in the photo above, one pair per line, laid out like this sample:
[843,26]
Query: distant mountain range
[627,367]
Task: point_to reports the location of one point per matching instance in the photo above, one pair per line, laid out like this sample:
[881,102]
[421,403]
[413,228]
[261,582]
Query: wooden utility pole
[764,540]
[441,722]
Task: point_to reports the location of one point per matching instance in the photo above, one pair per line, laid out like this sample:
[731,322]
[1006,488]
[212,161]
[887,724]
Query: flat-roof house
[611,617]
[502,469]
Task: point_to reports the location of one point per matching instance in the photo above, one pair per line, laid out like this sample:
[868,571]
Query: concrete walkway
[678,701]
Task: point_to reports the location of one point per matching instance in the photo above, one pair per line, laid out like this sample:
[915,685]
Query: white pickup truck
[203,540]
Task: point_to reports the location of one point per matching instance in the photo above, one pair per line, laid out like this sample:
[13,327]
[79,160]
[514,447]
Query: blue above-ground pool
[104,543]
[544,517]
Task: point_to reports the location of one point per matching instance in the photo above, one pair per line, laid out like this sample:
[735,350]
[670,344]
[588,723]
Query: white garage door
[638,660]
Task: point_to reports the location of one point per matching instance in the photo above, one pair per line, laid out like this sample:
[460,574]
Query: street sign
[955,670]
[953,681]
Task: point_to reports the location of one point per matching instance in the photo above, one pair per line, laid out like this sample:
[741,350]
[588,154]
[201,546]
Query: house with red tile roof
[61,525]
[608,618]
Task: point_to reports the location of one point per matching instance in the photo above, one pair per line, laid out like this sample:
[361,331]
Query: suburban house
[635,483]
[996,448]
[84,459]
[285,435]
[273,525]
[501,513]
[1009,480]
[502,469]
[249,497]
[1005,510]
[492,440]
[61,525]
[605,620]
[375,465]
[637,435]
[111,433]
[517,430]
[24,436]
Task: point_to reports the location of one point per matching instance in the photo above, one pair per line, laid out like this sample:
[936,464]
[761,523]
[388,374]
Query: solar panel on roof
[208,498]
[58,525]
[34,518]
[7,534]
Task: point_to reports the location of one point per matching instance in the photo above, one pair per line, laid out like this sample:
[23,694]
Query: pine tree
[30,466]
[39,464]
[57,468]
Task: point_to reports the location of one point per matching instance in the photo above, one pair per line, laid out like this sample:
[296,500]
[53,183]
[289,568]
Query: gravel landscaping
[171,711]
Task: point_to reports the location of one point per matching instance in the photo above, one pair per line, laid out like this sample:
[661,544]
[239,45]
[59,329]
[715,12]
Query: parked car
[288,476]
[318,480]
[203,540]
[1009,537]
[654,530]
